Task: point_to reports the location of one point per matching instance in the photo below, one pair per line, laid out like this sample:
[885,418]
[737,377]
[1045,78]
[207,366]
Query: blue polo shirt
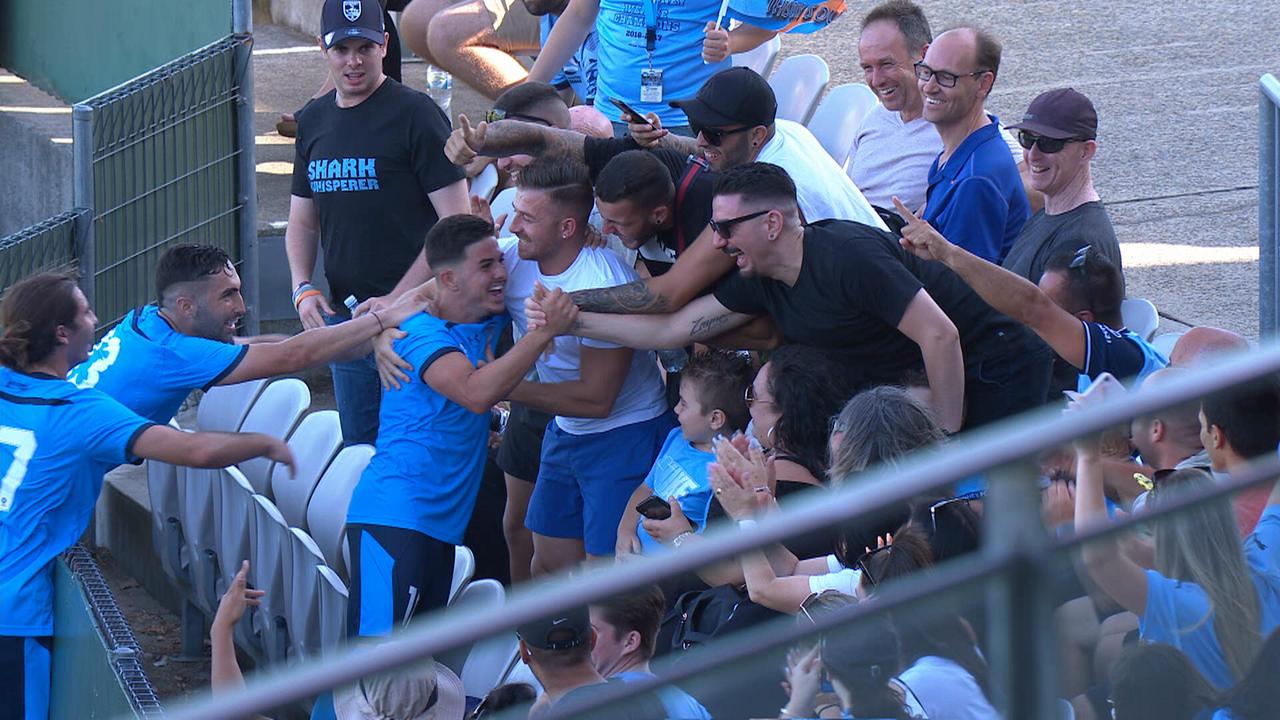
[976,199]
[430,454]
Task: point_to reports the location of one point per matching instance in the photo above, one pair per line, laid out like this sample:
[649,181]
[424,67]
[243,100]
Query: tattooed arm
[700,320]
[510,137]
[697,268]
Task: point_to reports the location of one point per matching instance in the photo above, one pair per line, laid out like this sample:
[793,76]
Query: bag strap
[693,167]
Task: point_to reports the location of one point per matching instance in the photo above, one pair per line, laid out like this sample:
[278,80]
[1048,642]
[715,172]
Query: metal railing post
[1019,606]
[246,169]
[82,192]
[1268,205]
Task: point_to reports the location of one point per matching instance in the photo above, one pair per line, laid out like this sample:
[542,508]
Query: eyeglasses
[749,397]
[965,498]
[495,115]
[1047,145]
[724,228]
[862,563]
[715,136]
[1079,264]
[924,73]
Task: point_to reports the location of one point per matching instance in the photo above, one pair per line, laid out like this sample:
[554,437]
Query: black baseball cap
[1061,114]
[737,96]
[342,19]
[564,631]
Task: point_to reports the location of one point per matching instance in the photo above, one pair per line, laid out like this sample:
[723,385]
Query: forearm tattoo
[632,298]
[708,326]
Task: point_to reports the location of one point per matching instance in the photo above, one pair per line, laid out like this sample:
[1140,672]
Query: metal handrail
[1268,206]
[999,445]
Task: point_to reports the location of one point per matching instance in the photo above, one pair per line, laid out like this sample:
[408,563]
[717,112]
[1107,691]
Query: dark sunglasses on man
[715,136]
[1047,145]
[724,228]
[495,115]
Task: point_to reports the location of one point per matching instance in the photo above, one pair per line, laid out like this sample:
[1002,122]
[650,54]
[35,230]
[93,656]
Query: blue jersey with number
[580,72]
[1121,352]
[151,368]
[622,55]
[56,443]
[430,454]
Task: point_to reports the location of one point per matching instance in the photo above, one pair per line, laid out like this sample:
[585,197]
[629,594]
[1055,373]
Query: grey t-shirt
[1046,236]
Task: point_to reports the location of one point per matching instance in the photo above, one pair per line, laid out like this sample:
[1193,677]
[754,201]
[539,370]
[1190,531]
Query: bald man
[1200,344]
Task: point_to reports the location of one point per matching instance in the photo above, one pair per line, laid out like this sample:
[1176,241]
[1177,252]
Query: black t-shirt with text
[854,286]
[693,206]
[368,169]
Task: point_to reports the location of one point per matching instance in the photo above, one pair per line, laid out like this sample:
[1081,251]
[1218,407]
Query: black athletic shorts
[521,449]
[26,671]
[396,574]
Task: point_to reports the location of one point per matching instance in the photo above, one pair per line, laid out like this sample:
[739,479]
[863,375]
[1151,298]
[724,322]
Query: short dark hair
[721,378]
[525,98]
[31,313]
[640,610]
[1157,680]
[566,181]
[909,18]
[188,263]
[756,182]
[449,238]
[638,176]
[1097,285]
[1249,416]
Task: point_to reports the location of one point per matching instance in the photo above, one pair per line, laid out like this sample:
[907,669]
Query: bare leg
[414,22]
[461,39]
[1077,628]
[1111,644]
[519,539]
[551,554]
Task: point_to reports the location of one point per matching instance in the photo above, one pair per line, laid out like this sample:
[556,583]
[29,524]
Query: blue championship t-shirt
[679,26]
[681,472]
[56,442]
[1120,352]
[430,454]
[580,72]
[150,368]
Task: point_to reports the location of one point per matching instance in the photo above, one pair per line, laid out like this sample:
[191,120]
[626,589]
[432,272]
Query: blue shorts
[25,676]
[396,575]
[586,480]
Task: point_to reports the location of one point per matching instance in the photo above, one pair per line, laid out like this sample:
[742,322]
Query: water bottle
[440,87]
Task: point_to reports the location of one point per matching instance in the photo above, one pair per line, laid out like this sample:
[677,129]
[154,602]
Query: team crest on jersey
[351,10]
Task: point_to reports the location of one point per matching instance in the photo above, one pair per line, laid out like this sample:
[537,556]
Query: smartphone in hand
[629,112]
[654,508]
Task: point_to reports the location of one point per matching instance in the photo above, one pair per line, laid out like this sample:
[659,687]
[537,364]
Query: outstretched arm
[699,321]
[1114,571]
[510,137]
[571,29]
[1011,294]
[208,449]
[697,269]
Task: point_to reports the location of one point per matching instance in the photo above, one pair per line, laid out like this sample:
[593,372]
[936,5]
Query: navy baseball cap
[1061,114]
[565,631]
[342,19]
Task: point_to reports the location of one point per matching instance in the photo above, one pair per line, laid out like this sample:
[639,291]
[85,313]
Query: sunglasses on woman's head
[965,498]
[862,563]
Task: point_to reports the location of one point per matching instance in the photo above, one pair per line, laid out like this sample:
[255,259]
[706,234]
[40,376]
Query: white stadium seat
[798,83]
[224,407]
[836,121]
[314,444]
[275,413]
[489,659]
[268,553]
[1141,317]
[1164,342]
[303,616]
[333,608]
[464,568]
[327,511]
[762,58]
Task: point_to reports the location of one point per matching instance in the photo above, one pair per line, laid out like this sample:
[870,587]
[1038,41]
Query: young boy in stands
[712,402]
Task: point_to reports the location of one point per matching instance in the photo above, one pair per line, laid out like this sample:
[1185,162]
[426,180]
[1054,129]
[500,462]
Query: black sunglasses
[862,563]
[715,136]
[724,228]
[924,73]
[495,115]
[965,498]
[1047,145]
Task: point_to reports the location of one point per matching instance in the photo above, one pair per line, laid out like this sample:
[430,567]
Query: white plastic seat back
[314,444]
[797,84]
[224,407]
[275,413]
[327,511]
[1141,317]
[836,121]
[303,609]
[268,554]
[199,531]
[166,508]
[464,568]
[760,59]
[503,203]
[490,659]
[520,673]
[486,182]
[333,608]
[236,512]
[1164,342]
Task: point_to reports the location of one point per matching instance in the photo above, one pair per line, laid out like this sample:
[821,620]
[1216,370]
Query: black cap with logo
[564,631]
[737,96]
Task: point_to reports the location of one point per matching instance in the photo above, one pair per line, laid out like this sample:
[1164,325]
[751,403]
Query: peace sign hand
[465,142]
[919,237]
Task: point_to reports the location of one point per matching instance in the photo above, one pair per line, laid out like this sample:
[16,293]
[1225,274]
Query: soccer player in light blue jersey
[56,443]
[159,353]
[414,500]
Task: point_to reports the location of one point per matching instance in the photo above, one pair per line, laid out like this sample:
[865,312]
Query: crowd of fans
[697,316]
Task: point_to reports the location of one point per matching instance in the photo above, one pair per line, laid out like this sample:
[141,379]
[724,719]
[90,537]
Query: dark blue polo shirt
[976,199]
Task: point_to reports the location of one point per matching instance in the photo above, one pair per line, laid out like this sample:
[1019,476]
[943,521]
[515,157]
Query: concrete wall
[35,132]
[301,15]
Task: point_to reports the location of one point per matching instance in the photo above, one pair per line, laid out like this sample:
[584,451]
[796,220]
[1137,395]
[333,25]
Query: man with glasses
[975,194]
[1059,136]
[849,289]
[1075,308]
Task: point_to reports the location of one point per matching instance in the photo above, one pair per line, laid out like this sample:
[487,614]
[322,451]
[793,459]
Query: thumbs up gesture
[465,142]
[919,237]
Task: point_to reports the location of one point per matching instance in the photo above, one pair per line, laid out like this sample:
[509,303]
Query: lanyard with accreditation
[651,77]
